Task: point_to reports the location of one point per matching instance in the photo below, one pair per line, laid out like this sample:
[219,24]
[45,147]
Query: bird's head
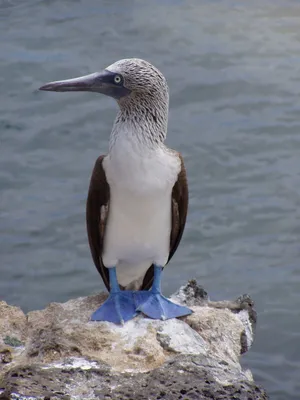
[128,78]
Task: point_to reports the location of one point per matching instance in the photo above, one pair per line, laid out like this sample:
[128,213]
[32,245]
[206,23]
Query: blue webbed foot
[118,308]
[156,306]
[153,304]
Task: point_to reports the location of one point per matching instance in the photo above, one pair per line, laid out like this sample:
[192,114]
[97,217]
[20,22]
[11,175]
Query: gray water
[234,74]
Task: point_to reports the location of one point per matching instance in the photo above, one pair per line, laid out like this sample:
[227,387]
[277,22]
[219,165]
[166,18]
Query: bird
[137,200]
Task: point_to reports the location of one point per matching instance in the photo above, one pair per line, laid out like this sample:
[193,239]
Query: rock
[58,353]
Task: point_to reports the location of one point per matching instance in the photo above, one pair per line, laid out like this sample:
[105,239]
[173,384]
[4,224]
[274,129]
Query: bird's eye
[117,79]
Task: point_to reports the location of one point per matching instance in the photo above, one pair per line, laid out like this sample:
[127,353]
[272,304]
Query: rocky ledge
[57,353]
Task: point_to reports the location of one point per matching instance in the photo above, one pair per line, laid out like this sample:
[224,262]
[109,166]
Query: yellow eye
[117,79]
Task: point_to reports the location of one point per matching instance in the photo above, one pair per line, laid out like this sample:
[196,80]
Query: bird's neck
[143,121]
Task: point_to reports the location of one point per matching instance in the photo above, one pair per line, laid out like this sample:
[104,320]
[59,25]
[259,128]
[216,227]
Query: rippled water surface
[234,74]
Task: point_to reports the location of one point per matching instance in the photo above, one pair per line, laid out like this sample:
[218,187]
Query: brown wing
[96,216]
[180,199]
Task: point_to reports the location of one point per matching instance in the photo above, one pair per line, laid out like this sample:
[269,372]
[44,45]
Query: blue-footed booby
[138,194]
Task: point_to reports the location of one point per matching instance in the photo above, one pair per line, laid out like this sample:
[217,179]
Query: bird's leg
[119,307]
[153,304]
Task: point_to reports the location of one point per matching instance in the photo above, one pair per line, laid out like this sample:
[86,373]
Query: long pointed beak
[100,82]
[88,83]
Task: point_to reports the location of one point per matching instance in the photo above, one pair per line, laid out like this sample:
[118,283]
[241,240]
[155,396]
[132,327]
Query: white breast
[139,222]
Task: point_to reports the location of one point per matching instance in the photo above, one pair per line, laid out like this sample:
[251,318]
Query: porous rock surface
[58,353]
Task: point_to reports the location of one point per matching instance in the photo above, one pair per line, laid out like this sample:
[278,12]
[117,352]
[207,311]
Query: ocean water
[234,74]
